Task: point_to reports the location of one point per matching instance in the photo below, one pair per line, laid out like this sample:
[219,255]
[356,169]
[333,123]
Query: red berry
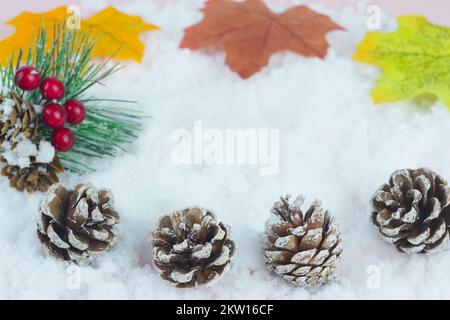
[63,139]
[52,88]
[54,115]
[27,78]
[76,112]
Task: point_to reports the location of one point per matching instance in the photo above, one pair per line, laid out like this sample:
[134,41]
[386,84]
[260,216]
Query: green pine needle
[109,126]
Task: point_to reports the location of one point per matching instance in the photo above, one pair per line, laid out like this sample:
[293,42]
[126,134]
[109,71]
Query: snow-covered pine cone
[74,225]
[192,248]
[412,211]
[17,118]
[303,248]
[38,177]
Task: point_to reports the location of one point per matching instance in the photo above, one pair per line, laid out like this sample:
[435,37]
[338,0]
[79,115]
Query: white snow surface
[335,145]
[21,153]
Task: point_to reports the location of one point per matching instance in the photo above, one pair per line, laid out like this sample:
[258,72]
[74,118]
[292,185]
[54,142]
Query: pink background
[436,11]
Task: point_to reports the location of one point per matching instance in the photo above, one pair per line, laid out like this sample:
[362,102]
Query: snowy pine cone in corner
[17,118]
[29,165]
[412,211]
[36,177]
[303,248]
[74,225]
[192,248]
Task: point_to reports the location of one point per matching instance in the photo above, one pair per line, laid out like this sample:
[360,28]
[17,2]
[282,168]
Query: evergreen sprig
[66,54]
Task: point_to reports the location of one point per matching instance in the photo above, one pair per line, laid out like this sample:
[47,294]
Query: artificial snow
[335,145]
[6,107]
[46,152]
[20,154]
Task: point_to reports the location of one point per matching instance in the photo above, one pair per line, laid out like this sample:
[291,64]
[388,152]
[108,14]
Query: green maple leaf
[415,60]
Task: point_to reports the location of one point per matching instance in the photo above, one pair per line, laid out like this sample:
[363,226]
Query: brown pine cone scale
[192,248]
[21,119]
[75,225]
[412,211]
[38,177]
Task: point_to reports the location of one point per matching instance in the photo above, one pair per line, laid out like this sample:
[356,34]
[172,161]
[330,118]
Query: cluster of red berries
[54,115]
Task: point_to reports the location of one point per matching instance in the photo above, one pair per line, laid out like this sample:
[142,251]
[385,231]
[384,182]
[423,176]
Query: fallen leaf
[250,33]
[415,60]
[27,25]
[115,29]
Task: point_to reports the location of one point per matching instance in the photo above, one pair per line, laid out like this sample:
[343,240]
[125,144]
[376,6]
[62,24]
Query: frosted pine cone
[302,248]
[37,177]
[191,248]
[412,211]
[16,118]
[74,225]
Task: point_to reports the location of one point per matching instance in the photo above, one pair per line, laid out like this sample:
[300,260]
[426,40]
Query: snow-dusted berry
[54,115]
[76,112]
[63,139]
[52,88]
[27,78]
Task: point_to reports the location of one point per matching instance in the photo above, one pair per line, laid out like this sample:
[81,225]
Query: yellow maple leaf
[114,29]
[415,60]
[27,26]
[117,30]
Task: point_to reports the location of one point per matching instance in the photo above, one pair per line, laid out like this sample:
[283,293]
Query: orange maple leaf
[114,29]
[250,33]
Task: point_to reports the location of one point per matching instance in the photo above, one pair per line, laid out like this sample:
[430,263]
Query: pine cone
[75,225]
[37,177]
[412,211]
[191,248]
[302,248]
[17,117]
